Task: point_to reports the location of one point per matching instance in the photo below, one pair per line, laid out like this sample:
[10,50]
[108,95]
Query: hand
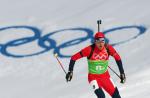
[69,76]
[123,78]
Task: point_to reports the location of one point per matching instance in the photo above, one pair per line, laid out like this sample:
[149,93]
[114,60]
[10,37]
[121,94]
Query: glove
[123,78]
[69,76]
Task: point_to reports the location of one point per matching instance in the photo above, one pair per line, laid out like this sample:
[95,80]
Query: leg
[116,94]
[98,91]
[108,85]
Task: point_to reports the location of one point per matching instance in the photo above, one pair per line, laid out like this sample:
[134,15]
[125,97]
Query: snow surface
[40,76]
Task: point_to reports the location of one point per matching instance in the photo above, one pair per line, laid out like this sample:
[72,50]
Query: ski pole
[56,55]
[99,22]
[113,71]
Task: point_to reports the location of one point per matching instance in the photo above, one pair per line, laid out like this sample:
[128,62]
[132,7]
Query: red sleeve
[114,53]
[83,53]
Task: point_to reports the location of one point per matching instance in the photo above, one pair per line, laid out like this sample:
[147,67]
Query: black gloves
[123,78]
[69,76]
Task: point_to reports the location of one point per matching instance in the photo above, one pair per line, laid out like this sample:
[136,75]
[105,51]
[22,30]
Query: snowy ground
[28,68]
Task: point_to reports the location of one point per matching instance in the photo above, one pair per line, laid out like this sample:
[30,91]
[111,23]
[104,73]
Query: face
[100,42]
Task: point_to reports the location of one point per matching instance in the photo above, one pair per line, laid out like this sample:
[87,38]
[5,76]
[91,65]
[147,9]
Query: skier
[98,55]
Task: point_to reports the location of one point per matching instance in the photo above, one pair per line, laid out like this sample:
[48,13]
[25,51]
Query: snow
[31,70]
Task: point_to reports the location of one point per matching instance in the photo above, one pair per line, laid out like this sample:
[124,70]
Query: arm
[83,53]
[113,53]
[117,58]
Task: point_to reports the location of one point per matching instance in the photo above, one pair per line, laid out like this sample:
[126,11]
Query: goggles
[100,40]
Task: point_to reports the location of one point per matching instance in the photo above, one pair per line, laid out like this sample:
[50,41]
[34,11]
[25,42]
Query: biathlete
[98,76]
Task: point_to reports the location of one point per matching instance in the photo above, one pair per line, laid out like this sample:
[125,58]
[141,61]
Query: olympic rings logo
[42,40]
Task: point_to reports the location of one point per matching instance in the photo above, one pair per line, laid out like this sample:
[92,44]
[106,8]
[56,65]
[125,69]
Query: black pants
[100,94]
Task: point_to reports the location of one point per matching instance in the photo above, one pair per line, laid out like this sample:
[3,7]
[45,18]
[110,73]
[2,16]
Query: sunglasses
[100,40]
